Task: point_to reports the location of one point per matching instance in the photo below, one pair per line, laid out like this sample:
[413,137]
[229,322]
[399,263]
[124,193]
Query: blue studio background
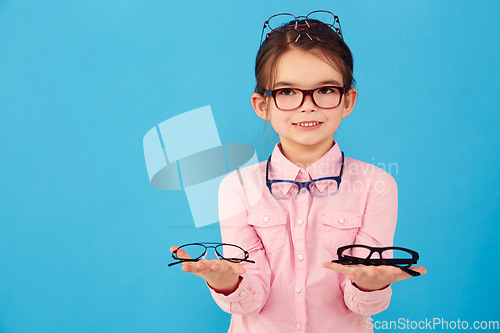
[84,238]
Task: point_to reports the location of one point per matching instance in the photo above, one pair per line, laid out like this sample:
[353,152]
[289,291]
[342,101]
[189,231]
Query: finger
[219,266]
[344,269]
[173,248]
[398,274]
[238,268]
[364,273]
[391,274]
[199,268]
[373,272]
[420,269]
[189,267]
[223,266]
[204,266]
[367,273]
[181,254]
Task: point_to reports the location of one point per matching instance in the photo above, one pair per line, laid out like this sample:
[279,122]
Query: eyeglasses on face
[320,25]
[326,97]
[359,254]
[289,189]
[223,251]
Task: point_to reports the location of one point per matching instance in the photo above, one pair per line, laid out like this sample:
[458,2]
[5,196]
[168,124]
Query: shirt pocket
[339,229]
[271,228]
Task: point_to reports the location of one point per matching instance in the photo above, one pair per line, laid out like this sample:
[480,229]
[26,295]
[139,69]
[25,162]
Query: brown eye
[326,90]
[286,92]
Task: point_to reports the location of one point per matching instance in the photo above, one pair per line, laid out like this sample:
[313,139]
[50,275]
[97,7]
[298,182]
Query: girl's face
[305,70]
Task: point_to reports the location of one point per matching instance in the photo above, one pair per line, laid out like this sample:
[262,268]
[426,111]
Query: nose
[308,103]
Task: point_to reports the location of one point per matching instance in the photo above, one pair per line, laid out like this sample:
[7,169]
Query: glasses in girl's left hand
[358,254]
[198,251]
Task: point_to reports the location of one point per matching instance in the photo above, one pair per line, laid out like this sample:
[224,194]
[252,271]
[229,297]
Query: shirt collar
[328,165]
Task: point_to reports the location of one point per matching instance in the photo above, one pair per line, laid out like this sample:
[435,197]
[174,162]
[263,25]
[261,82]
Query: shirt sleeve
[377,229]
[253,290]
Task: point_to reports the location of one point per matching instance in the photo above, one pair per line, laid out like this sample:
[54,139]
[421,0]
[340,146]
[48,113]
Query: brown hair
[330,46]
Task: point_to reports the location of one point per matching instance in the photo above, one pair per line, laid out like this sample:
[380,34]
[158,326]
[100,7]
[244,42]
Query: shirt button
[300,257]
[299,326]
[298,290]
[242,294]
[266,219]
[300,222]
[341,220]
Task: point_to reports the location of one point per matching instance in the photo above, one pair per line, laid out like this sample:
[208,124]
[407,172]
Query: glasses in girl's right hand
[358,254]
[198,251]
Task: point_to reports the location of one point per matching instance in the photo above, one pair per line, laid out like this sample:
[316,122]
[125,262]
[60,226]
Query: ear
[349,102]
[259,104]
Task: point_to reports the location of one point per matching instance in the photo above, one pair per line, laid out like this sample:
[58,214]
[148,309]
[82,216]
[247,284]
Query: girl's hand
[223,276]
[370,278]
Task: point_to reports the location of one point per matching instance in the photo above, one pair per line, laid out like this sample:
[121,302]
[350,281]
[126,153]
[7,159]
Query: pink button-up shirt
[287,289]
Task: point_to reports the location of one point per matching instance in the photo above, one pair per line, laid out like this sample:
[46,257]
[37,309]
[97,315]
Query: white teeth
[308,124]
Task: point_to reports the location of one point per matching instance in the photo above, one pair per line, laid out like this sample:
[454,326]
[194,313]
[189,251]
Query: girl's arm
[371,292]
[253,286]
[367,289]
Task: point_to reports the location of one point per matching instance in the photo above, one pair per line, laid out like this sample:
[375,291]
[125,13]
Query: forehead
[305,69]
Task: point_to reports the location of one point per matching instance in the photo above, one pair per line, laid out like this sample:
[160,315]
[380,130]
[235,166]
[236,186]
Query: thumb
[179,252]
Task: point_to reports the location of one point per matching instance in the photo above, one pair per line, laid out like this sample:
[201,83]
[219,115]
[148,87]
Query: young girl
[304,88]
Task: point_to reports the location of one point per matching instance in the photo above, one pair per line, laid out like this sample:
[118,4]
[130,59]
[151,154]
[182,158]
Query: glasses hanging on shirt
[359,254]
[289,189]
[223,251]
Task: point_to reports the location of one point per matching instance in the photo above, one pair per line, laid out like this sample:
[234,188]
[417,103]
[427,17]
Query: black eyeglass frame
[403,264]
[306,92]
[301,185]
[210,245]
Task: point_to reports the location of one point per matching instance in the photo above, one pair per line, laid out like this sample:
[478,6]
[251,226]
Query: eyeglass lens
[280,20]
[320,188]
[324,97]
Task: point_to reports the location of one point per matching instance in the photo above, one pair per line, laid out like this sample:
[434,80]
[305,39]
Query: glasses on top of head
[320,25]
[223,251]
[359,254]
[289,189]
[326,97]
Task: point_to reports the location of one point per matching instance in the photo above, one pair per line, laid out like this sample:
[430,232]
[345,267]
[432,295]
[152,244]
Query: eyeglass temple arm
[410,271]
[181,261]
[248,260]
[262,33]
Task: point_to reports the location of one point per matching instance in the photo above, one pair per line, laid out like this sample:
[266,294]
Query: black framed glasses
[359,254]
[223,251]
[289,189]
[319,25]
[326,97]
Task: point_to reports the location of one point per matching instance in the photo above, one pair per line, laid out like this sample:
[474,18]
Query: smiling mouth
[307,124]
